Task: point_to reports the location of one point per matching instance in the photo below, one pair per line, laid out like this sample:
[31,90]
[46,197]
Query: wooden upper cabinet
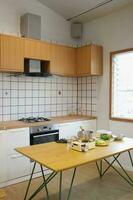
[36,49]
[11,54]
[63,60]
[89,60]
[83,60]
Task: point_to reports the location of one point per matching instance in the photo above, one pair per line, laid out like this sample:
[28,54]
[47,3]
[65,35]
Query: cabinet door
[89,60]
[68,130]
[19,165]
[70,61]
[63,60]
[36,49]
[11,54]
[17,138]
[96,60]
[3,156]
[83,60]
[89,125]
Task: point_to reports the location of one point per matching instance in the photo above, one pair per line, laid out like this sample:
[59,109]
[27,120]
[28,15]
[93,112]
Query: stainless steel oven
[43,134]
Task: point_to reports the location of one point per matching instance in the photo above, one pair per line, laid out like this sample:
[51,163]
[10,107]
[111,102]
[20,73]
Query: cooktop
[34,119]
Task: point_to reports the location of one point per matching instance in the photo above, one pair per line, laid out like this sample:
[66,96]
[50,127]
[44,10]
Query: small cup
[120,137]
[69,143]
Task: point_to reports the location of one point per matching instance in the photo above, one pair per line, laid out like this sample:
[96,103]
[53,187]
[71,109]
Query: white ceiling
[71,8]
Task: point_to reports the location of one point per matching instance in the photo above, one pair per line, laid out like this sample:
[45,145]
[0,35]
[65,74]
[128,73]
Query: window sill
[121,119]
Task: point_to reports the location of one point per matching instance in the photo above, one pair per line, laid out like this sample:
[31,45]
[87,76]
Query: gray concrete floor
[87,186]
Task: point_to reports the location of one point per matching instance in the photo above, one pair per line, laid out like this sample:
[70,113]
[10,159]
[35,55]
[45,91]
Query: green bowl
[105,136]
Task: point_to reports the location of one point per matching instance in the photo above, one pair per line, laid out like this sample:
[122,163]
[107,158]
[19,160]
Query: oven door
[44,137]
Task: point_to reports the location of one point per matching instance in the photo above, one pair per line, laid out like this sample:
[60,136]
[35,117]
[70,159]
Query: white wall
[114,32]
[54,27]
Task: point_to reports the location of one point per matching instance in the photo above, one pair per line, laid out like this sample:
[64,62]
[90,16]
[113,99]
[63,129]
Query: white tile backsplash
[28,101]
[6,101]
[14,101]
[22,85]
[21,101]
[6,110]
[6,93]
[6,85]
[23,96]
[14,110]
[1,111]
[87,95]
[53,100]
[14,85]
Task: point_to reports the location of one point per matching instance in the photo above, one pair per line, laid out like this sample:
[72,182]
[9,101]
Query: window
[121,82]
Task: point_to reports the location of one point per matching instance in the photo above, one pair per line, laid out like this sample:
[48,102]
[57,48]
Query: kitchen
[56,96]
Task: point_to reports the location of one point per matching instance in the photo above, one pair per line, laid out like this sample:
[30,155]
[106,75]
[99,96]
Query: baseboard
[24,178]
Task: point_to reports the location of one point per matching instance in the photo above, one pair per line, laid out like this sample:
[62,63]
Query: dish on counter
[118,137]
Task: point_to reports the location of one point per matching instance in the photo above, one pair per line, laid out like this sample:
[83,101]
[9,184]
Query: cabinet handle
[15,156]
[45,135]
[18,130]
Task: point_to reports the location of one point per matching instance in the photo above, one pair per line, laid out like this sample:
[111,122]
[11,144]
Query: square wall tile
[6,101]
[6,110]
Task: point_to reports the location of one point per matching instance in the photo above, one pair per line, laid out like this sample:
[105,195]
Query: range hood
[30,27]
[34,67]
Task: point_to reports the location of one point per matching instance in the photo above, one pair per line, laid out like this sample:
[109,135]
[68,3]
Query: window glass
[122,85]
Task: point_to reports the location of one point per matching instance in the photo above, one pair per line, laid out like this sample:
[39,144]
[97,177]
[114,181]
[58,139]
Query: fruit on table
[105,136]
[101,142]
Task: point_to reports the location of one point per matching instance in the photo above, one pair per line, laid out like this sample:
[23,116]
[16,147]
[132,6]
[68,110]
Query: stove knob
[39,130]
[44,127]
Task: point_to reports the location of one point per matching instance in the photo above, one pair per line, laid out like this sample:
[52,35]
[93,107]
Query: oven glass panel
[45,138]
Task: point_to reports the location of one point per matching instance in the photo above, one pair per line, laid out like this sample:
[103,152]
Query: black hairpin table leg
[130,158]
[70,189]
[30,181]
[126,177]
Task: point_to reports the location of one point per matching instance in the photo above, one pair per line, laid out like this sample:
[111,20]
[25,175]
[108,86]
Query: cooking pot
[84,135]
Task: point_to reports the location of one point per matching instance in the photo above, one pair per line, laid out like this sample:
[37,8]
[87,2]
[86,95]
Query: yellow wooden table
[2,194]
[58,158]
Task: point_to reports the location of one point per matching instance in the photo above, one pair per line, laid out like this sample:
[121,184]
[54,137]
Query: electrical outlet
[59,92]
[6,93]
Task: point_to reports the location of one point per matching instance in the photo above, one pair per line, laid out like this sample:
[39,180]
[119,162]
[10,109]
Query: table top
[58,157]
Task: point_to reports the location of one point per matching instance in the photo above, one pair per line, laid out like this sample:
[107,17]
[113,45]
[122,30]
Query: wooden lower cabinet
[63,60]
[11,54]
